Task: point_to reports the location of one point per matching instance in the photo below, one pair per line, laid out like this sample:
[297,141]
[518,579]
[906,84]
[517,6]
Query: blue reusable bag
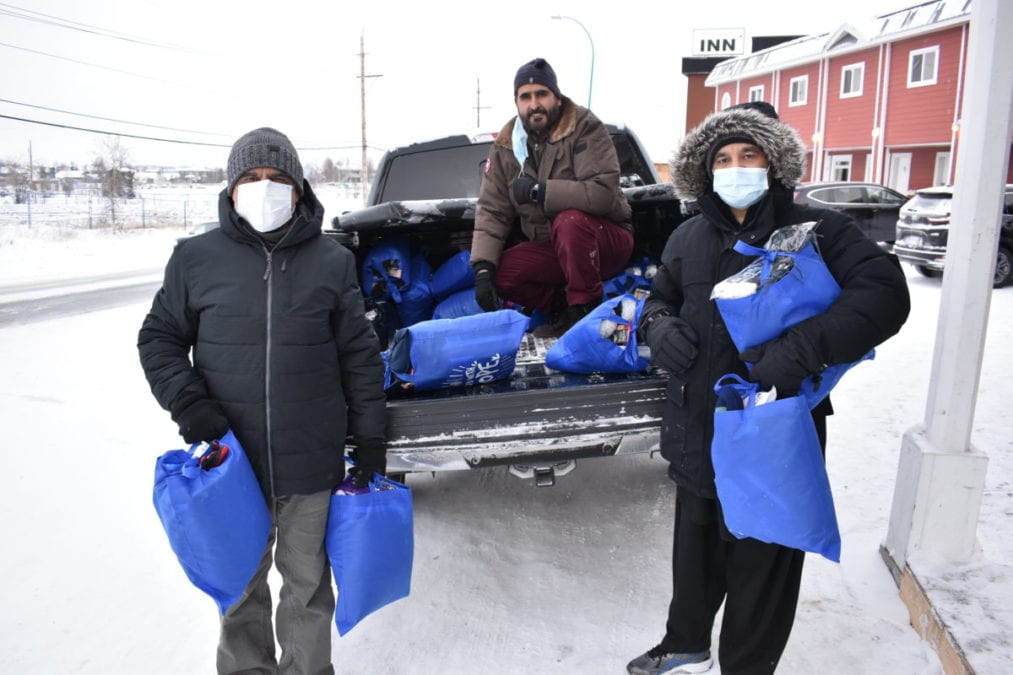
[585,349]
[217,520]
[370,544]
[416,299]
[458,304]
[454,275]
[387,269]
[769,471]
[807,290]
[623,283]
[455,352]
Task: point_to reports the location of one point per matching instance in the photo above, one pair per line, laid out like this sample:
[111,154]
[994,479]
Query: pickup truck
[537,422]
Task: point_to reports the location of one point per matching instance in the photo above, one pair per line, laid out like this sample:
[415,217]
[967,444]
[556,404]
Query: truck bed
[537,415]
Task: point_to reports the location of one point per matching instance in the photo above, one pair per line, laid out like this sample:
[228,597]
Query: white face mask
[265,205]
[740,187]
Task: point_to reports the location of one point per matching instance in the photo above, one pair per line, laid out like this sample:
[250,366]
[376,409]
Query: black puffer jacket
[279,339]
[872,306]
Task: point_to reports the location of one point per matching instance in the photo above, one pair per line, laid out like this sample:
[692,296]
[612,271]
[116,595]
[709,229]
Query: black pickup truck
[539,421]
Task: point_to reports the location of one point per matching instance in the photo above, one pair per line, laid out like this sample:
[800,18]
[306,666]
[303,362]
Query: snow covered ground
[508,578]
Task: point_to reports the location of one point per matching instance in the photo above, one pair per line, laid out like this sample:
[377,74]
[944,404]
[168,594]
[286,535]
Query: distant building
[877,100]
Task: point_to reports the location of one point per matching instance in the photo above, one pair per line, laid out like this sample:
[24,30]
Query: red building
[877,101]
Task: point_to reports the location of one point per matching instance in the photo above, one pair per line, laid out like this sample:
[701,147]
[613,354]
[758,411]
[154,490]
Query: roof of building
[922,18]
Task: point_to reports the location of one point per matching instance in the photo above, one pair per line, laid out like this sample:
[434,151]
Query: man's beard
[551,117]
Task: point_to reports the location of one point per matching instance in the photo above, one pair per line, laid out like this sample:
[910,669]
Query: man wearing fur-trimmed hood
[555,168]
[740,166]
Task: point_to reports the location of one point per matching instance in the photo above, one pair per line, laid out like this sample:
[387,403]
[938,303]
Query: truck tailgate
[536,415]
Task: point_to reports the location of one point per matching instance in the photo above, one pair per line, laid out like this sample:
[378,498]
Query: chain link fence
[88,209]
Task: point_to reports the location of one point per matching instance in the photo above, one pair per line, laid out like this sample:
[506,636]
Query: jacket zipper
[267,372]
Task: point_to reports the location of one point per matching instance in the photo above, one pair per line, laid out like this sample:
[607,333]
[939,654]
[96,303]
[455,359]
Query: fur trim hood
[781,143]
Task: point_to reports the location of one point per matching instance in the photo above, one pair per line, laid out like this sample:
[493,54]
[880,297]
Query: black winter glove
[370,457]
[202,420]
[526,190]
[485,287]
[783,363]
[673,343]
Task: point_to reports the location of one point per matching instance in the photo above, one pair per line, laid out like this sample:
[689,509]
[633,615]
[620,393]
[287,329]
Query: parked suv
[924,225]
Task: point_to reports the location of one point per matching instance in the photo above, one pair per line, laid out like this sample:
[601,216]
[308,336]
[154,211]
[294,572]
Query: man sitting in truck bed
[555,167]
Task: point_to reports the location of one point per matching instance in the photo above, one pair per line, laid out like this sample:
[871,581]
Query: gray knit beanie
[264,147]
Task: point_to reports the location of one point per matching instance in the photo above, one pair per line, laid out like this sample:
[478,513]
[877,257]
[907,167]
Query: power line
[111,119]
[115,133]
[48,19]
[95,65]
[161,140]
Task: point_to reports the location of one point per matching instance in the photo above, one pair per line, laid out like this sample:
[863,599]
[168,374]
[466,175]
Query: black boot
[563,322]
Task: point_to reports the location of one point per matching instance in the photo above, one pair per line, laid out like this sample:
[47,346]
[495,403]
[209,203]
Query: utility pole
[478,103]
[364,175]
[31,173]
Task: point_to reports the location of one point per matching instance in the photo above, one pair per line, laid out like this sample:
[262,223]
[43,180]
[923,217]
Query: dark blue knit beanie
[537,71]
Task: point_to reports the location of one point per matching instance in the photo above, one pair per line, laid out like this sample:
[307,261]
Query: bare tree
[329,171]
[116,177]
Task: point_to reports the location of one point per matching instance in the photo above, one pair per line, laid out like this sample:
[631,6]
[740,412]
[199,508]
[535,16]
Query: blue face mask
[740,187]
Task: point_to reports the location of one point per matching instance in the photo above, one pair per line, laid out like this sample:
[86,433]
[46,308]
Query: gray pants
[305,605]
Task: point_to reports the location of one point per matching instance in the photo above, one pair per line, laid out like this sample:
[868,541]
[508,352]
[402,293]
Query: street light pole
[588,34]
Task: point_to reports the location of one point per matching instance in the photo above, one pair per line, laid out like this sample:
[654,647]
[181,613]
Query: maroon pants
[583,249]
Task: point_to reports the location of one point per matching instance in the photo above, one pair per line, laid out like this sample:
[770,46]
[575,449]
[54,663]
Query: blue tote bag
[455,274]
[769,471]
[370,544]
[455,352]
[387,269]
[458,304]
[216,519]
[782,301]
[416,299]
[806,290]
[604,341]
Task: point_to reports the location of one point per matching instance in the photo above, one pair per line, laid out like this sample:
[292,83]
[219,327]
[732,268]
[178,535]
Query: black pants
[758,583]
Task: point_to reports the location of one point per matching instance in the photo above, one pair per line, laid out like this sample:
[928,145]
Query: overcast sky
[208,71]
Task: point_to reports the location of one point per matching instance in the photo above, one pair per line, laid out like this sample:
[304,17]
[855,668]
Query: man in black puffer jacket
[284,356]
[740,166]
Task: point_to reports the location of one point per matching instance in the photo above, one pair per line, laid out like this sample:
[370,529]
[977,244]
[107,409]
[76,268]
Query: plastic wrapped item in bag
[790,239]
[619,333]
[604,341]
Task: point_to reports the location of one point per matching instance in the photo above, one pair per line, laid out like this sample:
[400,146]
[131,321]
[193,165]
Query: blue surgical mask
[740,187]
[519,139]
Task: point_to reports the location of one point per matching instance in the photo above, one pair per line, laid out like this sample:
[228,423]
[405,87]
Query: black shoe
[563,322]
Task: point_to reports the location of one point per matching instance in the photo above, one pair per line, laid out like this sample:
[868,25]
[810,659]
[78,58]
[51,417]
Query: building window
[799,91]
[942,169]
[726,101]
[923,67]
[839,168]
[851,80]
[756,93]
[868,168]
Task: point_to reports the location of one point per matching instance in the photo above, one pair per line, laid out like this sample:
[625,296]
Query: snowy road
[60,300]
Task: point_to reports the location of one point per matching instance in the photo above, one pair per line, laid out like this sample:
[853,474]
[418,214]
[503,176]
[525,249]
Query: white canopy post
[941,477]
